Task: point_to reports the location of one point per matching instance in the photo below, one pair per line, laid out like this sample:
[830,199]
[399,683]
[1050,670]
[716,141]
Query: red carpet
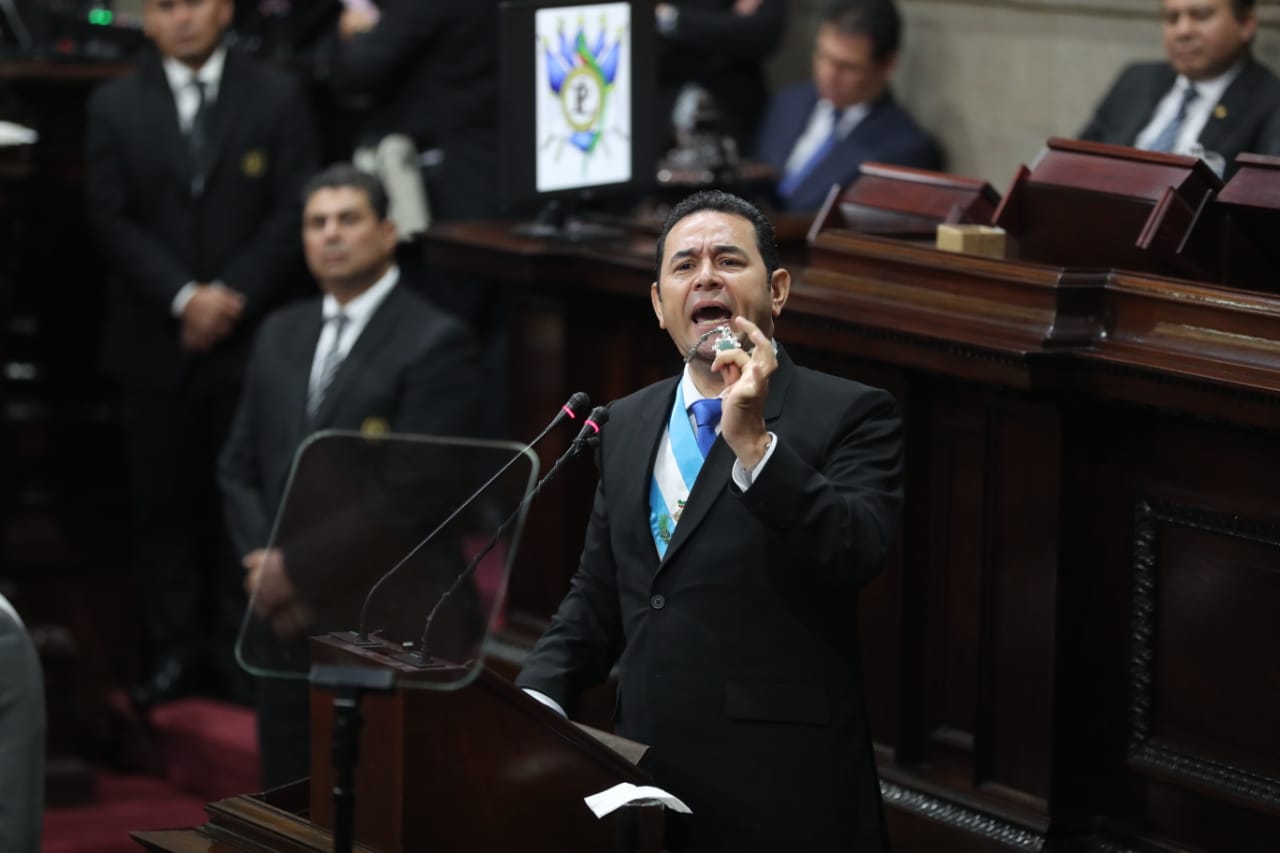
[208,750]
[125,803]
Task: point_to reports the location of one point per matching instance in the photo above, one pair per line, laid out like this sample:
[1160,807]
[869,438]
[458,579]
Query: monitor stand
[559,220]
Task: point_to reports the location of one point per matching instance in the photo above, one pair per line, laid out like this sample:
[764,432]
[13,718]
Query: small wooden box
[985,240]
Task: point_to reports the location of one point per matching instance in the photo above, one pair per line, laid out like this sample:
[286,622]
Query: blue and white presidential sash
[676,467]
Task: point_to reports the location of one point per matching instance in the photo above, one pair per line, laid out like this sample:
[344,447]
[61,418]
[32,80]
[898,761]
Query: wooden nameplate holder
[904,202]
[1090,205]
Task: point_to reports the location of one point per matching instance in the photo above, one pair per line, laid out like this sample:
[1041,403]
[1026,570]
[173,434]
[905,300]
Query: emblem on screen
[584,96]
[582,74]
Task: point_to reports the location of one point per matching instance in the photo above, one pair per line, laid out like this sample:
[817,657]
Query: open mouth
[711,315]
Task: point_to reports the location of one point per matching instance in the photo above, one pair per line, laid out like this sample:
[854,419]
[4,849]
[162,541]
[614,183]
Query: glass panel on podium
[379,547]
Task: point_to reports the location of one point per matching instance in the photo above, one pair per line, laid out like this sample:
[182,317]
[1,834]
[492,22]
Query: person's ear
[779,290]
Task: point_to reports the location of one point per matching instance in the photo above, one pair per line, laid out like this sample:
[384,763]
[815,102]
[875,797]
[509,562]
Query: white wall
[992,79]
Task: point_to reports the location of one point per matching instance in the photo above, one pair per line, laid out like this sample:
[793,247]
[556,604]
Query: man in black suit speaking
[194,168]
[1211,97]
[368,352]
[740,508]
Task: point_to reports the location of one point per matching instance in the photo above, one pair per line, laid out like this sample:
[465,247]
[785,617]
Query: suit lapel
[297,378]
[231,91]
[713,479]
[1157,86]
[161,112]
[792,127]
[1235,103]
[854,148]
[637,468]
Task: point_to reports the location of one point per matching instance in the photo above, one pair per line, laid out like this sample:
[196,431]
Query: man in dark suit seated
[194,168]
[1212,98]
[368,354]
[740,508]
[817,134]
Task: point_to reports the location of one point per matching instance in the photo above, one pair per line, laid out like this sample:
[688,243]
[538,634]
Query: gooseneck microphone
[590,429]
[571,410]
[587,436]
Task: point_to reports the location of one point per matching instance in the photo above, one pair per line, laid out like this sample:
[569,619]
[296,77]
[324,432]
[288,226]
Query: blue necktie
[1167,138]
[792,179]
[706,413]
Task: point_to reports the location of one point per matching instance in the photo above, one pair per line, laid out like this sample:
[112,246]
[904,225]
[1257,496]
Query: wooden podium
[481,768]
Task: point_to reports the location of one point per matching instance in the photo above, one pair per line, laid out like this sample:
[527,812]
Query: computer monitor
[577,101]
[81,29]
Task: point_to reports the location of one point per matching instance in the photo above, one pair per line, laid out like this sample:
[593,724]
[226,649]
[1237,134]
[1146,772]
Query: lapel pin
[254,164]
[1219,111]
[374,427]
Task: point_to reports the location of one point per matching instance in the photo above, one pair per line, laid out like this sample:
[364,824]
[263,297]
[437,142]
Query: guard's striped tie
[329,367]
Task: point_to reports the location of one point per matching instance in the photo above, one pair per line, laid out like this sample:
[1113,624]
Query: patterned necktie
[706,413]
[329,366]
[787,186]
[197,137]
[1167,138]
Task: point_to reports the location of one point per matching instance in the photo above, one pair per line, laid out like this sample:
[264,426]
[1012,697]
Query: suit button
[658,602]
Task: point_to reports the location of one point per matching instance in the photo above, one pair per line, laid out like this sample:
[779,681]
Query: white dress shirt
[358,311]
[1209,92]
[819,128]
[181,77]
[741,476]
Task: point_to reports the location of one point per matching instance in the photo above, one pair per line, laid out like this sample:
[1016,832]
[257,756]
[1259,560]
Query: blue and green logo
[581,73]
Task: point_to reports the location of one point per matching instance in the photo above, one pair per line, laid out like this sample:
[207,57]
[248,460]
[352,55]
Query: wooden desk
[1075,636]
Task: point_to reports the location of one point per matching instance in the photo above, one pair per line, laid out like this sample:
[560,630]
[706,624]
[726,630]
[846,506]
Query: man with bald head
[1210,97]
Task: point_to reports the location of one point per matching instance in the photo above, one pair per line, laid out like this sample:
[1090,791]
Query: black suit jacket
[886,135]
[243,230]
[1238,124]
[413,368]
[738,654]
[430,69]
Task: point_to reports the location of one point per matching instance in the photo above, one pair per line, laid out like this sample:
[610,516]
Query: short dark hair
[1240,8]
[878,20]
[345,175]
[723,202]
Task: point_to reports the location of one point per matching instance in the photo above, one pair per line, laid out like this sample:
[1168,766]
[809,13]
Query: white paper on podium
[626,794]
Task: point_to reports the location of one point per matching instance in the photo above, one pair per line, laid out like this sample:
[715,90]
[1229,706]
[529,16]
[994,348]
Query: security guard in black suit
[196,162]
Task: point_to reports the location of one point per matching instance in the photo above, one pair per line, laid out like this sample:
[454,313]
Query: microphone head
[577,404]
[591,426]
[594,423]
